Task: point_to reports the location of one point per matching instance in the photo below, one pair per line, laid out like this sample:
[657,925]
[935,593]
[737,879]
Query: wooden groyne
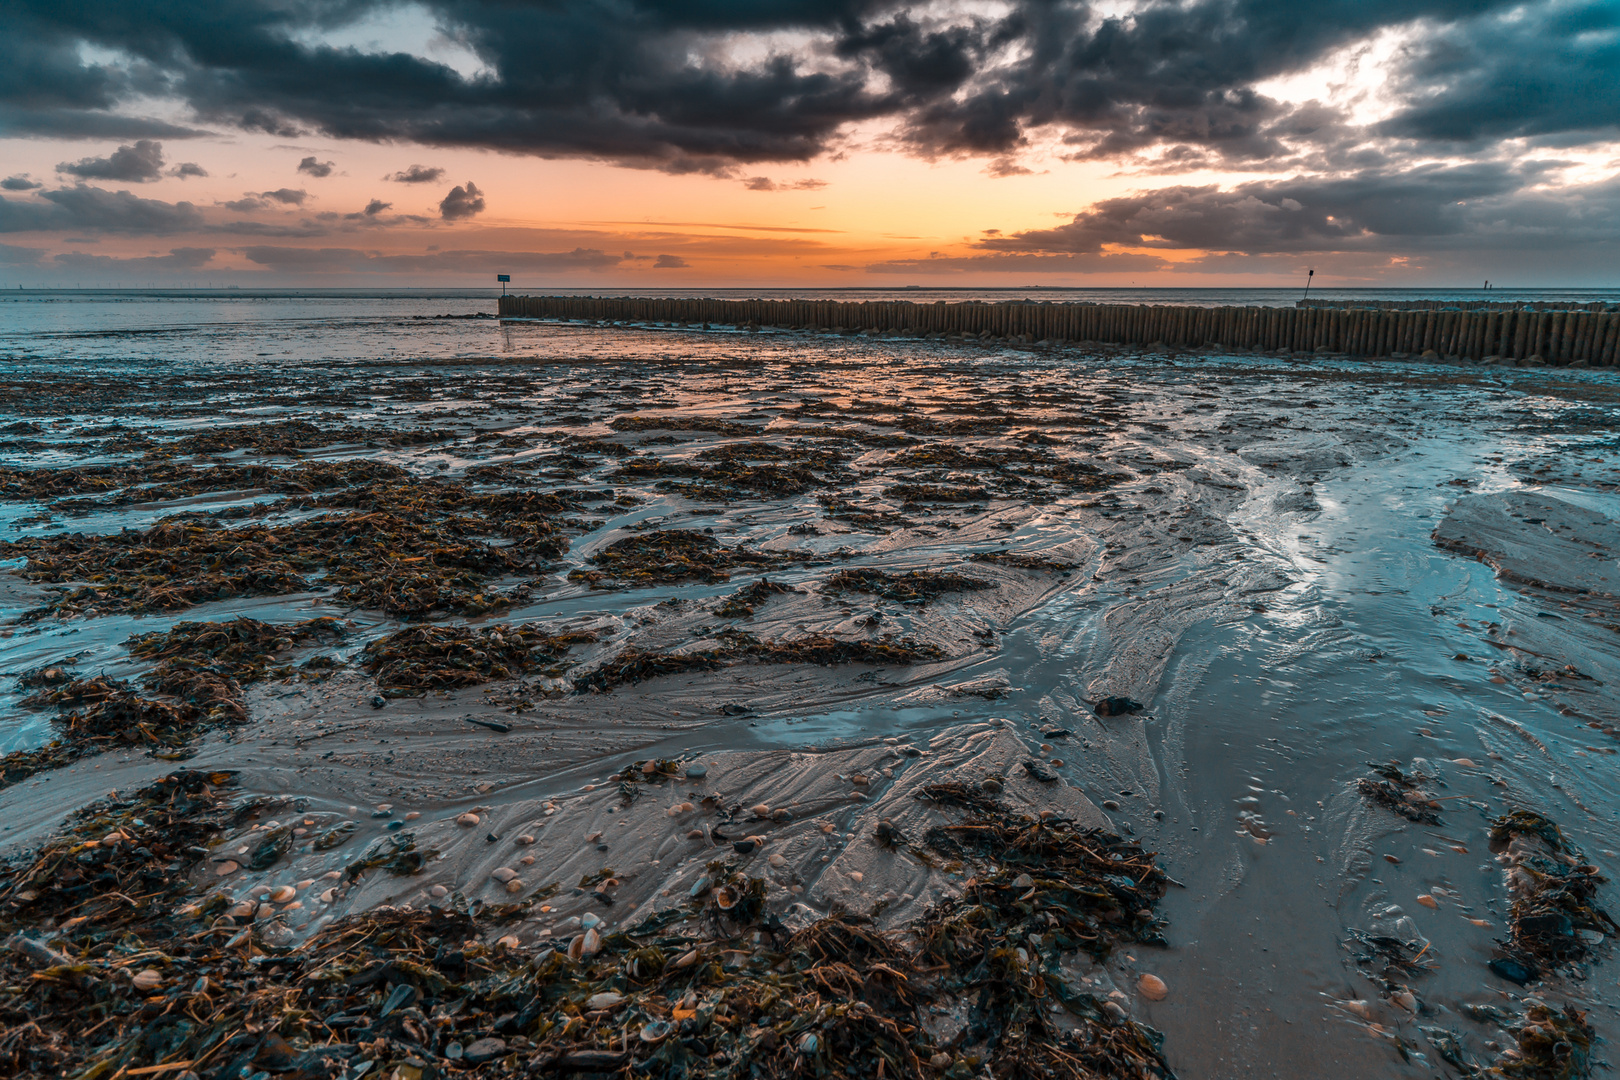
[1561,336]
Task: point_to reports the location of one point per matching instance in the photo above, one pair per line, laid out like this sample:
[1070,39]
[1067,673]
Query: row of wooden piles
[1556,337]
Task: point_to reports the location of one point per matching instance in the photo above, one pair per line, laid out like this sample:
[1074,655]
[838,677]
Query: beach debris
[1401,792]
[1116,706]
[632,665]
[1152,987]
[744,601]
[1023,560]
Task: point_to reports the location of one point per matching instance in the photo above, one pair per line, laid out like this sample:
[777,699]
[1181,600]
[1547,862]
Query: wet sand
[1295,566]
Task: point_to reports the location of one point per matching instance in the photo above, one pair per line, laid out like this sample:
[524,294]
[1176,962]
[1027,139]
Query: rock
[778,860]
[468,821]
[1117,706]
[514,886]
[503,874]
[227,867]
[1512,970]
[696,771]
[1037,771]
[484,1050]
[743,847]
[438,891]
[761,810]
[781,815]
[524,841]
[1110,804]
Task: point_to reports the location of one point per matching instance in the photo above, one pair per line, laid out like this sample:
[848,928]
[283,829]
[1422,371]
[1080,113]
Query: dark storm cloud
[20,183]
[182,258]
[318,169]
[417,174]
[1481,207]
[462,202]
[130,164]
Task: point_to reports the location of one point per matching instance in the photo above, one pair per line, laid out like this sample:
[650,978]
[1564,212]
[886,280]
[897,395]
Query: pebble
[148,979]
[1427,901]
[524,841]
[514,886]
[778,860]
[328,896]
[697,771]
[527,860]
[856,876]
[1152,987]
[438,891]
[503,874]
[413,815]
[484,1050]
[761,810]
[1110,804]
[468,821]
[226,867]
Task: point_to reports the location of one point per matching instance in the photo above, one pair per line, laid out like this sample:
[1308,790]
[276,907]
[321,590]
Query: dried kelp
[1023,560]
[207,663]
[442,657]
[1401,792]
[633,665]
[917,585]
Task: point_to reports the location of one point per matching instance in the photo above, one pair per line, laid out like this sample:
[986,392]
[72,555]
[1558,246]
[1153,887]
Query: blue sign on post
[503,279]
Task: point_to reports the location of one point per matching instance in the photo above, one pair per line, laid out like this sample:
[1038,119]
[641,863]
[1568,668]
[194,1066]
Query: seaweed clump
[1554,916]
[917,586]
[206,663]
[443,657]
[744,601]
[1023,560]
[667,557]
[632,665]
[1401,792]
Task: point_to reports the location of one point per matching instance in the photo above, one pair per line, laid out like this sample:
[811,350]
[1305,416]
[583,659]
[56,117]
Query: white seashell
[687,960]
[591,943]
[265,911]
[413,815]
[332,875]
[608,999]
[328,896]
[241,910]
[148,979]
[1152,987]
[1022,881]
[590,919]
[281,894]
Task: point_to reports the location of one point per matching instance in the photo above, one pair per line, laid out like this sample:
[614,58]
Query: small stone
[524,841]
[225,868]
[468,821]
[527,860]
[328,896]
[1110,804]
[484,1050]
[514,886]
[503,874]
[761,810]
[744,847]
[438,891]
[413,815]
[696,771]
[778,860]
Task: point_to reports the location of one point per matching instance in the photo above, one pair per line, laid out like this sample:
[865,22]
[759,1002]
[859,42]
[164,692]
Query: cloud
[315,261]
[417,174]
[12,255]
[87,209]
[1030,263]
[318,169]
[670,262]
[131,164]
[20,183]
[765,183]
[178,259]
[188,169]
[462,202]
[373,208]
[286,196]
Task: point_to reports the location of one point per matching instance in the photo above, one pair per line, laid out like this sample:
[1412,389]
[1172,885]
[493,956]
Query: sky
[660,144]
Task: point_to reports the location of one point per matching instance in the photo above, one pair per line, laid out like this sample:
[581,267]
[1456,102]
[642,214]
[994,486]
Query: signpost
[503,279]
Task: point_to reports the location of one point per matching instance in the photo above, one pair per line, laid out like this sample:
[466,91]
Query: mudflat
[614,640]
